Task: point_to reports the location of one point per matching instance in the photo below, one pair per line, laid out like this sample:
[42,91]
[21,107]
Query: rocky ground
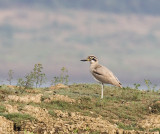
[47,119]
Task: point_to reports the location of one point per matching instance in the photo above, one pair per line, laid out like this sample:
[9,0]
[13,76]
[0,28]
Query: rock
[151,122]
[26,99]
[34,91]
[6,126]
[61,114]
[158,102]
[33,126]
[58,86]
[120,131]
[11,86]
[77,121]
[11,109]
[58,97]
[39,113]
[67,122]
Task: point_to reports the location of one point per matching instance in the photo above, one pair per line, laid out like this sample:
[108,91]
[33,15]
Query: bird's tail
[120,85]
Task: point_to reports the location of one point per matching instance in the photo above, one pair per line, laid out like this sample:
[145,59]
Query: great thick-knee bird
[101,73]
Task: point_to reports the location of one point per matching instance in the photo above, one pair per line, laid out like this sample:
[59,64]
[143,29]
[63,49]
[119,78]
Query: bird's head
[91,59]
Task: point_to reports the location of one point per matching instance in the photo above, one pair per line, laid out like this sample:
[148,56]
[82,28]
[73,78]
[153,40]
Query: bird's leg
[102,90]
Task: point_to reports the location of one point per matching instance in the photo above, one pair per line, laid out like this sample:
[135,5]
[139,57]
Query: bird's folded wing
[101,70]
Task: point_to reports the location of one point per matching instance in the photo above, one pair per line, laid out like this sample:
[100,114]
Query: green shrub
[2,109]
[129,94]
[6,90]
[52,113]
[136,86]
[34,78]
[149,85]
[155,130]
[17,117]
[38,76]
[63,78]
[126,127]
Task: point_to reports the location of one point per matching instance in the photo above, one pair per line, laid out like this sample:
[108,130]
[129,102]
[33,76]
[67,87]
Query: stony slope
[78,109]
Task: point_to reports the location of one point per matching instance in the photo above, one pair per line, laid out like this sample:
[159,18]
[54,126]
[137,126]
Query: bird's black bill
[83,60]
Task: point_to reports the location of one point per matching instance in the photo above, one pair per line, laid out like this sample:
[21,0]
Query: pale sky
[128,44]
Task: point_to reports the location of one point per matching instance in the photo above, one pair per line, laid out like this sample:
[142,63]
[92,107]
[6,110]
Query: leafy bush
[148,84]
[136,86]
[17,117]
[63,78]
[6,90]
[126,127]
[2,109]
[38,76]
[155,130]
[35,77]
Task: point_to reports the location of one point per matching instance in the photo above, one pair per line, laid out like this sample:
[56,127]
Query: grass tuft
[17,117]
[2,109]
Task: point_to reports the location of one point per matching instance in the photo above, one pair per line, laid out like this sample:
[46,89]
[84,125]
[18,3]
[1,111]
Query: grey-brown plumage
[101,73]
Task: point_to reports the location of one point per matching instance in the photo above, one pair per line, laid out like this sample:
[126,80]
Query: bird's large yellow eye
[91,58]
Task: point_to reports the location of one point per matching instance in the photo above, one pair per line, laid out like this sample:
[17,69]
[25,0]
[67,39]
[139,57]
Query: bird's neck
[94,63]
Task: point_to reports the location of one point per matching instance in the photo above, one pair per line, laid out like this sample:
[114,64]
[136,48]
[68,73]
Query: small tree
[148,84]
[35,77]
[63,78]
[28,82]
[136,86]
[64,75]
[21,82]
[39,77]
[10,76]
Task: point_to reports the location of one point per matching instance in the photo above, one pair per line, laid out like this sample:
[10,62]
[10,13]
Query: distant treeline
[115,6]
